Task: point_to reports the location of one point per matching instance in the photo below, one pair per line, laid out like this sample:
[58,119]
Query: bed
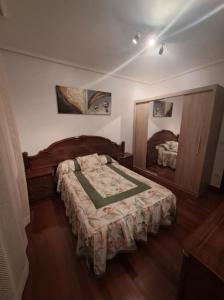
[162,149]
[109,206]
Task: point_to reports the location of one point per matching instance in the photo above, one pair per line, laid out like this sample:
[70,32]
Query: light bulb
[151,42]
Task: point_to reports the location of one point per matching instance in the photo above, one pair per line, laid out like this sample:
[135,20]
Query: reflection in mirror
[163,134]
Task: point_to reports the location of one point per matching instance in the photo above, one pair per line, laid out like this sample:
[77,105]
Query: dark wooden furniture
[125,159]
[40,168]
[202,275]
[157,138]
[41,183]
[199,133]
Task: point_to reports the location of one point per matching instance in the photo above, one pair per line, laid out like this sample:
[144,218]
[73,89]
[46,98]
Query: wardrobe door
[194,133]
[140,134]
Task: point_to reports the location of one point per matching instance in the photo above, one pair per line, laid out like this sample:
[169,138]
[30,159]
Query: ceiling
[97,34]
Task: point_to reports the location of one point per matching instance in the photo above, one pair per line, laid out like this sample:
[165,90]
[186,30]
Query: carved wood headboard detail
[70,148]
[157,138]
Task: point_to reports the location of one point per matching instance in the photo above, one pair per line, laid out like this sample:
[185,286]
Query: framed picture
[82,101]
[162,109]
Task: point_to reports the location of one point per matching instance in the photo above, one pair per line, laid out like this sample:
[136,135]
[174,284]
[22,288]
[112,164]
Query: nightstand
[41,183]
[125,159]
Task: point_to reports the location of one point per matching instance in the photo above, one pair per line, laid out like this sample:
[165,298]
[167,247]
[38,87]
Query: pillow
[162,146]
[105,159]
[89,162]
[66,166]
[173,145]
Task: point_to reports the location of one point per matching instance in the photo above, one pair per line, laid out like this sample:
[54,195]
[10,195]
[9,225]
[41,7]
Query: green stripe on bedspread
[98,200]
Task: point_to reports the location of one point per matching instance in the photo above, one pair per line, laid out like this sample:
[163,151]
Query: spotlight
[161,50]
[136,38]
[151,42]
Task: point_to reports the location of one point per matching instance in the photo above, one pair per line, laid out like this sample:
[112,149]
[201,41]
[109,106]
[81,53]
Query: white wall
[169,123]
[32,82]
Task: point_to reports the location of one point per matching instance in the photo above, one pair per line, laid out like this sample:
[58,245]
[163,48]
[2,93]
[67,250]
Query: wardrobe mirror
[175,137]
[164,122]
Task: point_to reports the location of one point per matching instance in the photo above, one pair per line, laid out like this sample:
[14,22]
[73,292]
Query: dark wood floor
[151,272]
[164,172]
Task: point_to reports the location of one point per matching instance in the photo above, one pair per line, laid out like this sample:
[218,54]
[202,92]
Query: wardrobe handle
[199,145]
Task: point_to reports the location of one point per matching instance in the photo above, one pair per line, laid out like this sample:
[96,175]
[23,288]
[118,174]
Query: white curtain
[14,207]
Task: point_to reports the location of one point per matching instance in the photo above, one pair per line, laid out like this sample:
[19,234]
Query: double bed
[109,206]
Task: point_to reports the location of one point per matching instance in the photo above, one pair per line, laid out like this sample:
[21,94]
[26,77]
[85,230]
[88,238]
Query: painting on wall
[82,101]
[162,109]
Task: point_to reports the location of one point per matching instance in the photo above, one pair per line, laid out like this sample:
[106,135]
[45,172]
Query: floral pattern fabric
[89,162]
[107,182]
[103,232]
[106,159]
[172,145]
[167,154]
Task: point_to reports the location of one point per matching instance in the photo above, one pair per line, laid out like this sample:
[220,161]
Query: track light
[161,50]
[150,42]
[136,38]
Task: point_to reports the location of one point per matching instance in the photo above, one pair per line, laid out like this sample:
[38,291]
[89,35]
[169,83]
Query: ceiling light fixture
[136,38]
[151,41]
[161,50]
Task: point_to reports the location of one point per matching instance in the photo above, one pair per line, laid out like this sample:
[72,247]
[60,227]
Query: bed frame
[70,148]
[157,138]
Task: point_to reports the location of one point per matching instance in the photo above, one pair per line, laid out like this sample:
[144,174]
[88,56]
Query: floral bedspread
[105,231]
[166,157]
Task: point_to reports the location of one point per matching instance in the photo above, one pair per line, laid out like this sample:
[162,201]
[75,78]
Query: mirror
[164,122]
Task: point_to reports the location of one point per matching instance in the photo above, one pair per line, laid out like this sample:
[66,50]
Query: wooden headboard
[157,138]
[70,148]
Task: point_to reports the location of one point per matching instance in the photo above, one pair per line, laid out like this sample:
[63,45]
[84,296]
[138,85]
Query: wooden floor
[164,172]
[151,272]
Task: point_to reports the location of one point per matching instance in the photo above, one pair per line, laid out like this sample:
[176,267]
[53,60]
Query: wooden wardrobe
[201,119]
